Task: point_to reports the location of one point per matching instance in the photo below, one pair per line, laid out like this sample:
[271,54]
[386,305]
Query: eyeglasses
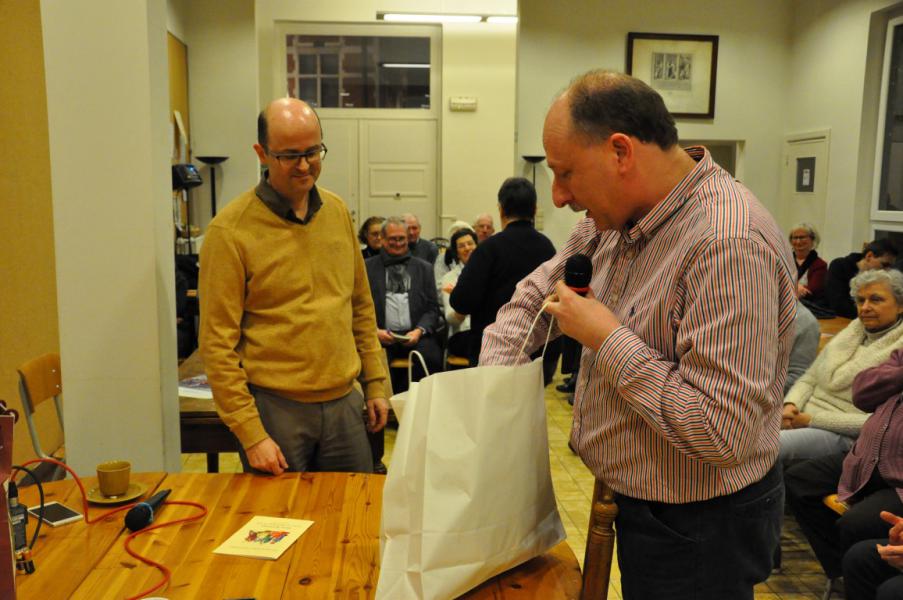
[795,238]
[292,159]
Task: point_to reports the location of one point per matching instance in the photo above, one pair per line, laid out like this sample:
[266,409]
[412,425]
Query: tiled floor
[801,577]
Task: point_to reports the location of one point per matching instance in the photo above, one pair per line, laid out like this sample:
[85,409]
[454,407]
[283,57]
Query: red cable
[167,574]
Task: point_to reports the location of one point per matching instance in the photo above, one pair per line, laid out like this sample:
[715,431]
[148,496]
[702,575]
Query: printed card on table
[264,537]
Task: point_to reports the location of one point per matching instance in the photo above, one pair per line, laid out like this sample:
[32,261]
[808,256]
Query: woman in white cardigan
[819,416]
[463,243]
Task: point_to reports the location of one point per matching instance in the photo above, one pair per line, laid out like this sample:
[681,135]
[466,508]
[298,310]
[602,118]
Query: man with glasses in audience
[287,322]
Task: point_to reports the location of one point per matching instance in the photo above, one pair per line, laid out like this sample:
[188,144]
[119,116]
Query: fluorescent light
[420,18]
[405,65]
[502,20]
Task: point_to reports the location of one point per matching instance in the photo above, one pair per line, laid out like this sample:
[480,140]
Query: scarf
[398,280]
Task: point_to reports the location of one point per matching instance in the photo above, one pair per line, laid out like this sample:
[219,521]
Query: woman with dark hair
[371,236]
[462,244]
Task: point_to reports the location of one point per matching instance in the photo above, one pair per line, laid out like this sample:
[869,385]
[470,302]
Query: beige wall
[222,93]
[556,45]
[835,60]
[107,105]
[27,263]
[476,60]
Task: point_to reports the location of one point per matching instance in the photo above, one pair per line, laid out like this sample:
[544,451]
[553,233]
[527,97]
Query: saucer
[134,490]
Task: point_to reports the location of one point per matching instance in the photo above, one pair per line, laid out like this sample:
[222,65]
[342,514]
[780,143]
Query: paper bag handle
[411,365]
[523,349]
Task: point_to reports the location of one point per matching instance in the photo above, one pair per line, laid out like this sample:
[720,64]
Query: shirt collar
[675,199]
[281,206]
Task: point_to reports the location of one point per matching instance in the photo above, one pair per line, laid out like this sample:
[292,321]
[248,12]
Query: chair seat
[399,363]
[457,361]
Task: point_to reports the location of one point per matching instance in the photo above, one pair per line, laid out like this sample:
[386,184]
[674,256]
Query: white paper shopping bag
[469,493]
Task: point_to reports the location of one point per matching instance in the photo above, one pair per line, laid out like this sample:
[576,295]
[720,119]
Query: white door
[398,169]
[804,179]
[340,169]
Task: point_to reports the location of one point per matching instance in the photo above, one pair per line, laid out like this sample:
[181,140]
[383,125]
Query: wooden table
[830,328]
[200,426]
[338,557]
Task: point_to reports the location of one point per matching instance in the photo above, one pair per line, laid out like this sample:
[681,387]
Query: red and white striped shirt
[682,402]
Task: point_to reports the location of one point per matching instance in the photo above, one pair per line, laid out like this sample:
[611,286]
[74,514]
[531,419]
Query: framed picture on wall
[682,68]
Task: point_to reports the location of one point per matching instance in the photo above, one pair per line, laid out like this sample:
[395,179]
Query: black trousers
[830,534]
[710,550]
[866,576]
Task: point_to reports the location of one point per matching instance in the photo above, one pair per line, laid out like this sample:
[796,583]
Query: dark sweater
[493,271]
[837,288]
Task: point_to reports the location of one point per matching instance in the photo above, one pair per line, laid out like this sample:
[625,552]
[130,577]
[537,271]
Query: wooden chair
[839,507]
[40,380]
[600,544]
[456,362]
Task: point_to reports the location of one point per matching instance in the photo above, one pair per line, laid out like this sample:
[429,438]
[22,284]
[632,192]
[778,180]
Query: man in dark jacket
[405,298]
[879,254]
[417,246]
[499,263]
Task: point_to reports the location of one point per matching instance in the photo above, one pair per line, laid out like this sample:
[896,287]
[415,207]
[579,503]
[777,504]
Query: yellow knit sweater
[286,307]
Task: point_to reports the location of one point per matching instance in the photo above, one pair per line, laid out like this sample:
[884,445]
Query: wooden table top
[830,328]
[338,557]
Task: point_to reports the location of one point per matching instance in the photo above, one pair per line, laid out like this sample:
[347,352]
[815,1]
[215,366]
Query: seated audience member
[879,254]
[419,247]
[462,244]
[873,569]
[371,236]
[498,264]
[404,296]
[484,226]
[805,345]
[869,478]
[819,416]
[811,271]
[443,262]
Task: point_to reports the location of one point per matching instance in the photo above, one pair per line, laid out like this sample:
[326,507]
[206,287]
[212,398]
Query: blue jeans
[713,549]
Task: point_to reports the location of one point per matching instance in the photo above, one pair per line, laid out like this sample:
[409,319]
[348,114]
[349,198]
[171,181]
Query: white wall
[835,59]
[107,99]
[555,45]
[222,96]
[478,60]
[231,55]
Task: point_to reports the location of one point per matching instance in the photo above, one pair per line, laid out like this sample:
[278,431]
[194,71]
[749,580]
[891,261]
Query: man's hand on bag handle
[585,319]
[266,455]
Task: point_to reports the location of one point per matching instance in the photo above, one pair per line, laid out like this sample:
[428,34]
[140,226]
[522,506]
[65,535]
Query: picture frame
[682,68]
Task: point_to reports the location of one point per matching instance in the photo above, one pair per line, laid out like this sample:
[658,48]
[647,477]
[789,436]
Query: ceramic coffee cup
[113,477]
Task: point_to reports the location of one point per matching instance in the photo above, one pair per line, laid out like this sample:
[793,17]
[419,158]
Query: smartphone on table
[55,514]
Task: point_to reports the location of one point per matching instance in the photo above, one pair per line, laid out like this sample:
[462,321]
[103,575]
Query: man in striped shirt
[687,333]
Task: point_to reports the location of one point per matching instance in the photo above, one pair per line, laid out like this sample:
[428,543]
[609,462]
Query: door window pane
[361,71]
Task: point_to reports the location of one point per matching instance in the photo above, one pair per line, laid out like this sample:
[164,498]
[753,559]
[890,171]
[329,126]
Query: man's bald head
[604,102]
[283,108]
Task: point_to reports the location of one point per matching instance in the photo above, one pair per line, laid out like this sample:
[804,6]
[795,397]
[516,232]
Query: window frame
[877,214]
[433,32]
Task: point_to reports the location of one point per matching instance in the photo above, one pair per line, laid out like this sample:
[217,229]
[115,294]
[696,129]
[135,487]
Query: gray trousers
[321,436]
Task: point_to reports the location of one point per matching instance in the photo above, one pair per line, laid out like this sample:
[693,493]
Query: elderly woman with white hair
[819,416]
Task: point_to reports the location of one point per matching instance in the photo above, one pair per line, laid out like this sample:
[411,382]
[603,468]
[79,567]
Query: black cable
[37,529]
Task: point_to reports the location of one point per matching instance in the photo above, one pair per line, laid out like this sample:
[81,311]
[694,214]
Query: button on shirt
[682,402]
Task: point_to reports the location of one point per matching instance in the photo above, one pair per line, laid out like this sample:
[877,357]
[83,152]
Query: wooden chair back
[40,379]
[600,544]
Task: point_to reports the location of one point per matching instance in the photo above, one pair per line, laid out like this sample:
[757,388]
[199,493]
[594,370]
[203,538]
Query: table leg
[213,462]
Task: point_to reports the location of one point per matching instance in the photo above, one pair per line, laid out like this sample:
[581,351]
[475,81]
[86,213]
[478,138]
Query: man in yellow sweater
[287,321]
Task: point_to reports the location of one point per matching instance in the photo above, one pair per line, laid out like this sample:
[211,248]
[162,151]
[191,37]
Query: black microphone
[142,514]
[578,271]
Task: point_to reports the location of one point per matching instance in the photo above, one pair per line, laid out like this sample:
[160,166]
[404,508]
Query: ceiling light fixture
[436,18]
[502,20]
